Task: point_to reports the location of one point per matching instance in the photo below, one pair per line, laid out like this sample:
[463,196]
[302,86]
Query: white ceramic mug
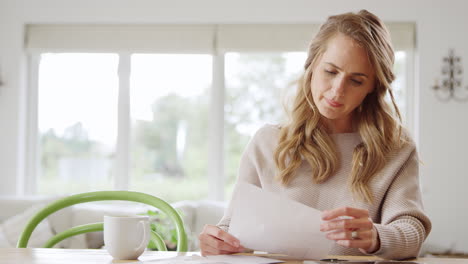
[126,237]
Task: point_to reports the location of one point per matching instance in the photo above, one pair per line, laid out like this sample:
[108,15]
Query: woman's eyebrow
[353,73]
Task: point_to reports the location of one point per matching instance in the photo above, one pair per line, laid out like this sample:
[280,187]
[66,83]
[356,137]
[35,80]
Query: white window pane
[77,118]
[169,114]
[399,85]
[257,86]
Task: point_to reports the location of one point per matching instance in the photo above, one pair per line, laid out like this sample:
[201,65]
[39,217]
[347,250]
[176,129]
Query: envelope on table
[265,221]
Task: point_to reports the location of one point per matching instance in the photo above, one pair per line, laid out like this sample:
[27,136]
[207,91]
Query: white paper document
[265,221]
[219,259]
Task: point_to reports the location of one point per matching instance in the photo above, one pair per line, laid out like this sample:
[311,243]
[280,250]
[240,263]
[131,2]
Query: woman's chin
[330,114]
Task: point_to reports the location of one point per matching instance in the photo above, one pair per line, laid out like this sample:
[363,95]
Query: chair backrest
[103,196]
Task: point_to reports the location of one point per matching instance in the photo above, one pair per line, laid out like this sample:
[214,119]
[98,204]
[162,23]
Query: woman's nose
[339,87]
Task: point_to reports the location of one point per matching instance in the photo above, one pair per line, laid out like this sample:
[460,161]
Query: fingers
[207,250]
[217,243]
[361,223]
[345,211]
[342,222]
[363,241]
[346,235]
[221,235]
[355,243]
[214,241]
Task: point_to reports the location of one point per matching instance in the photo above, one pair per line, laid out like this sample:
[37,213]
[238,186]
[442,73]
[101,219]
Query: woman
[344,151]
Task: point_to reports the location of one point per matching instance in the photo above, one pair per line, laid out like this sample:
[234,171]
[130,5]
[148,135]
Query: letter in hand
[215,241]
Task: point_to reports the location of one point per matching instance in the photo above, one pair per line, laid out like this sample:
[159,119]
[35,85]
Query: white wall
[440,25]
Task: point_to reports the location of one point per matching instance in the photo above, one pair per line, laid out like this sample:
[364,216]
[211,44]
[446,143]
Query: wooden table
[85,256]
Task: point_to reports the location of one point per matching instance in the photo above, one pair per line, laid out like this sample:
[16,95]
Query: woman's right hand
[215,241]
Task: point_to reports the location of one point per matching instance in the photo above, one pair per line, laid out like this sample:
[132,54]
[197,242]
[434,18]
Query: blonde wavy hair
[305,136]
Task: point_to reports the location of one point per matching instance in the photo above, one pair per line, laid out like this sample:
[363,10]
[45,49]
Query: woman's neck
[337,126]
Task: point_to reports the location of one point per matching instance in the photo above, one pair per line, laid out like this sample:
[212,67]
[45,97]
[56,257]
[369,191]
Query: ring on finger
[354,235]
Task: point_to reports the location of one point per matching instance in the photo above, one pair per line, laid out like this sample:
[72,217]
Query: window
[169,116]
[400,89]
[77,120]
[164,109]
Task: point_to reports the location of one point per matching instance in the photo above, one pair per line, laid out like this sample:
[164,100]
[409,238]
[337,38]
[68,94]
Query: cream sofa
[15,212]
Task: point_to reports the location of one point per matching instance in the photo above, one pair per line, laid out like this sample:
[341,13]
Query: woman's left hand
[351,227]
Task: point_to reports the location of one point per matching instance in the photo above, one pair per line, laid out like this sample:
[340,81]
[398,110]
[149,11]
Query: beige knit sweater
[397,210]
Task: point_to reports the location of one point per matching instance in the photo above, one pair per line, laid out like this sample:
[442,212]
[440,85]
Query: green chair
[103,196]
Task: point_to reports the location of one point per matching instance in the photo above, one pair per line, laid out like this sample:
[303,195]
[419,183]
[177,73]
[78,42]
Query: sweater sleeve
[404,226]
[248,172]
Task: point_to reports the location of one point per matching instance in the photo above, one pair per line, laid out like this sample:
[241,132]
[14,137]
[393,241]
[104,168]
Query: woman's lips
[333,103]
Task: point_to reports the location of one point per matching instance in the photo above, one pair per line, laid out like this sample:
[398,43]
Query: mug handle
[145,231]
